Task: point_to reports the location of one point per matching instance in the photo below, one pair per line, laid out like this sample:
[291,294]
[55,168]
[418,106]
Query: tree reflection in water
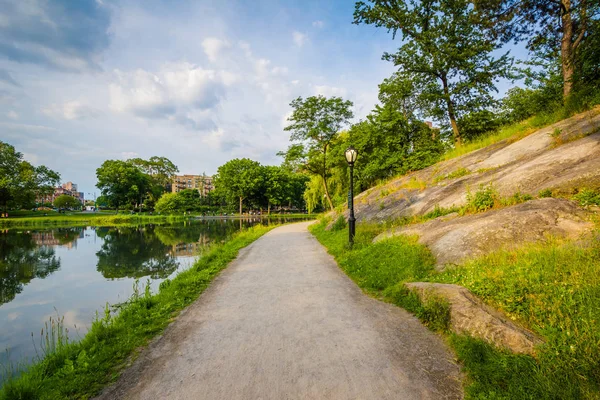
[25,256]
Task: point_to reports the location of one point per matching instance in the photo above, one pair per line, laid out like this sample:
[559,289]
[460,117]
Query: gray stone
[469,315]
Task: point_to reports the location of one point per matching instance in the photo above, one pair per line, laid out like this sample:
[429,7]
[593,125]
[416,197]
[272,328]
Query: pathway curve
[283,322]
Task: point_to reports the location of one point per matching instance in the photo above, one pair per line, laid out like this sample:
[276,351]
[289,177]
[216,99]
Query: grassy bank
[553,289]
[80,370]
[87,220]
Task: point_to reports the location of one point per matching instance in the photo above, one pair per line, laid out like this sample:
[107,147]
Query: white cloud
[126,155]
[213,47]
[318,24]
[299,38]
[176,92]
[71,111]
[12,115]
[329,91]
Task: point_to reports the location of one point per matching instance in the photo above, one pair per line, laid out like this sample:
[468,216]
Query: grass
[551,288]
[460,172]
[80,370]
[513,132]
[77,219]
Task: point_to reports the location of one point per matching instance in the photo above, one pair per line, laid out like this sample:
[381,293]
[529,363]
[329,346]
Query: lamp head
[351,155]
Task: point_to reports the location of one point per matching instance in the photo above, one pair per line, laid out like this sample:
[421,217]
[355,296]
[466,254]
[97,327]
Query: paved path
[283,322]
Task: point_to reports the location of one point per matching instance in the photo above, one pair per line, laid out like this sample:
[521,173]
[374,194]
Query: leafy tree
[552,28]
[314,123]
[66,201]
[160,170]
[446,55]
[122,183]
[168,203]
[239,179]
[20,181]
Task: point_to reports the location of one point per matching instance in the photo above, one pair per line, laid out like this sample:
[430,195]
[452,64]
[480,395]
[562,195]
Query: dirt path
[283,322]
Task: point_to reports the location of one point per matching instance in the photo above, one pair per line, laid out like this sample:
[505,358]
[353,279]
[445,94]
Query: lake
[74,272]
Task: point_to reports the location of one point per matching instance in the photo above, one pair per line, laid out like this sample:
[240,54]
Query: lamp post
[351,154]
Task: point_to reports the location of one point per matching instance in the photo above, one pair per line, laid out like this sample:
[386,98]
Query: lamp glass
[351,154]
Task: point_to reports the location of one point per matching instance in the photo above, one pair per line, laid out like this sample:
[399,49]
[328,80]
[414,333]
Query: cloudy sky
[199,82]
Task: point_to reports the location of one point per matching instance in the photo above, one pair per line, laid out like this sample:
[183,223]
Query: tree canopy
[66,201]
[21,182]
[239,179]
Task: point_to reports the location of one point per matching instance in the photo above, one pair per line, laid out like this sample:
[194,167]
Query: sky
[197,81]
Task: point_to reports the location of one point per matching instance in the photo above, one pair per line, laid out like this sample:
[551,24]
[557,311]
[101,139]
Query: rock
[536,162]
[471,316]
[455,240]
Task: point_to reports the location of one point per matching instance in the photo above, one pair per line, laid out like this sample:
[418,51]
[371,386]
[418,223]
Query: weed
[454,174]
[545,193]
[516,198]
[381,206]
[588,197]
[485,198]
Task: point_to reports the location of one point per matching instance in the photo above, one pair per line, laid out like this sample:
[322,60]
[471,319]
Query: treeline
[449,63]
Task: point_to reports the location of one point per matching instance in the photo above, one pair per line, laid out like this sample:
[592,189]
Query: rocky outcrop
[453,240]
[468,315]
[560,157]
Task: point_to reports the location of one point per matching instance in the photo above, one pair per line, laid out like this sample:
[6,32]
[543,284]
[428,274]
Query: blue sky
[199,82]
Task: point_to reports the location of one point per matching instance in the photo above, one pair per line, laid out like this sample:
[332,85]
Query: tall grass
[74,370]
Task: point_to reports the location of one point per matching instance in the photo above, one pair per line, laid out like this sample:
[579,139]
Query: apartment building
[202,183]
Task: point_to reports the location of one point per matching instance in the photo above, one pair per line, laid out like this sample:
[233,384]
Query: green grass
[551,288]
[80,370]
[76,219]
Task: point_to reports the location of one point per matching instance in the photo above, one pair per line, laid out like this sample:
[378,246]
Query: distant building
[202,183]
[69,188]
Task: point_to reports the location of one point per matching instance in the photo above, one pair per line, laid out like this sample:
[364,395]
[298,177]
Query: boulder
[454,240]
[469,315]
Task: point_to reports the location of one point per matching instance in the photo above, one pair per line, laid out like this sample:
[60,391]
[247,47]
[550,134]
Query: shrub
[339,224]
[588,197]
[482,200]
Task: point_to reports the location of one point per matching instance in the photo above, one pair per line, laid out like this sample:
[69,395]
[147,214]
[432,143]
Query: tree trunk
[451,113]
[567,52]
[325,178]
[241,199]
[269,208]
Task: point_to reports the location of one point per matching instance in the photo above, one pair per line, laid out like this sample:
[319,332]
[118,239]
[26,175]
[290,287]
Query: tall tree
[160,170]
[239,179]
[552,28]
[121,182]
[446,54]
[314,123]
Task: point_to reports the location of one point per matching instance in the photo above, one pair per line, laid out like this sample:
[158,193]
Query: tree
[121,182]
[239,179]
[66,201]
[446,55]
[552,28]
[160,170]
[315,122]
[20,181]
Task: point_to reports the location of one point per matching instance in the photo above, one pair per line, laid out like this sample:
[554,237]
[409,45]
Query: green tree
[66,201]
[160,170]
[239,179]
[20,181]
[122,183]
[553,29]
[169,203]
[314,124]
[446,54]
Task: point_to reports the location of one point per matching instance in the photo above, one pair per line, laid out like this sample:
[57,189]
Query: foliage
[66,201]
[160,171]
[239,179]
[314,124]
[446,55]
[339,224]
[122,183]
[588,197]
[80,370]
[21,182]
[482,200]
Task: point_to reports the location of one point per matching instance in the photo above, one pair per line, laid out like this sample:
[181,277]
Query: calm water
[74,272]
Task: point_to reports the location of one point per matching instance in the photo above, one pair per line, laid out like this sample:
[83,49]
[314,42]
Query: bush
[588,197]
[339,224]
[482,200]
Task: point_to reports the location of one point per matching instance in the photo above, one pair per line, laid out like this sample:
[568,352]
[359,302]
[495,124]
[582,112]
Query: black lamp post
[351,154]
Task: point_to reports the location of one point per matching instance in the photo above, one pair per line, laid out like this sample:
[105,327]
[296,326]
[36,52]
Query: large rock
[454,240]
[560,157]
[471,316]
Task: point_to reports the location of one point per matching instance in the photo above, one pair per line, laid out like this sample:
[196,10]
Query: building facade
[201,183]
[69,188]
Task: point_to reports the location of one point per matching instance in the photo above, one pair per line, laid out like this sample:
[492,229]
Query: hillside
[499,246]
